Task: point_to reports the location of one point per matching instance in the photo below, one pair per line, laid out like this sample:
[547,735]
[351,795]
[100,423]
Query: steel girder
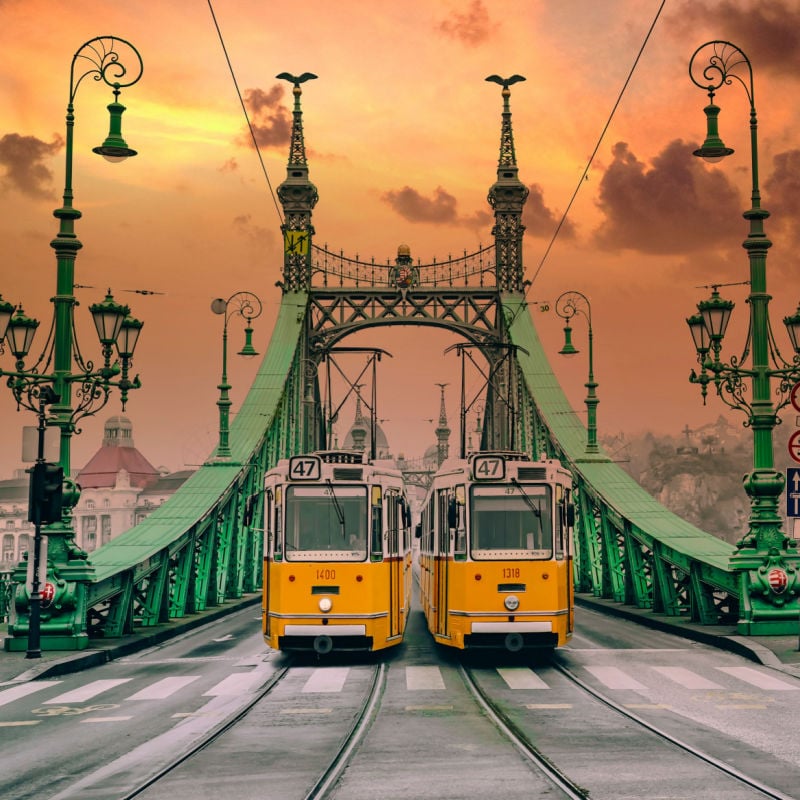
[335,313]
[628,548]
[203,546]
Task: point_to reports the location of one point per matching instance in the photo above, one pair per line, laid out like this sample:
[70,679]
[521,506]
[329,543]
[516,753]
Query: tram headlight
[511,602]
[325,605]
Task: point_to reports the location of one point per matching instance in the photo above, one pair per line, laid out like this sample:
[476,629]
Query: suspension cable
[599,141]
[244,110]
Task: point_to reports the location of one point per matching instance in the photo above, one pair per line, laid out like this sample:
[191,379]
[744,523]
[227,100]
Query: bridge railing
[332,269]
[628,547]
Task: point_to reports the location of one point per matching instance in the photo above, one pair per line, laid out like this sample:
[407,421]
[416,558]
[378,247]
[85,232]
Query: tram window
[326,523]
[268,539]
[376,549]
[506,523]
[459,523]
[393,519]
[278,539]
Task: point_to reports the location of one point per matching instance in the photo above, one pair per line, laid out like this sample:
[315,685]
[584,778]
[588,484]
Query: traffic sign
[794,446]
[793,492]
[794,396]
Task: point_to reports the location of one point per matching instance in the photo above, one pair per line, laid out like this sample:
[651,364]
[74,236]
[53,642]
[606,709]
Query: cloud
[256,235]
[411,205]
[768,32]
[22,158]
[271,122]
[782,194]
[677,205]
[472,27]
[231,165]
[441,209]
[539,220]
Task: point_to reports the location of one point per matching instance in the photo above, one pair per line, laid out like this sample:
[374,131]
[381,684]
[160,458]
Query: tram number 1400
[328,574]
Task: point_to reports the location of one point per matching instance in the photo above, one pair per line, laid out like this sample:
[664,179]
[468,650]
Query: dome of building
[117,454]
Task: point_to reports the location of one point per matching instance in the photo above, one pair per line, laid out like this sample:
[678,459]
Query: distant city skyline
[402,134]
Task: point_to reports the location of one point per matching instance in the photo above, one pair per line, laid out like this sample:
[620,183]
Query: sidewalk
[778,652]
[16,668]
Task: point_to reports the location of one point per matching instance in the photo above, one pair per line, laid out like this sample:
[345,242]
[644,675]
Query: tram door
[395,562]
[442,559]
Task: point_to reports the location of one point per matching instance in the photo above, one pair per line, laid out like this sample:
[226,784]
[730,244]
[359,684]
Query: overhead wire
[244,110]
[583,178]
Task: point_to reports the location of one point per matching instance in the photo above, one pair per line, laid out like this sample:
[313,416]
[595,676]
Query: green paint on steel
[680,542]
[207,489]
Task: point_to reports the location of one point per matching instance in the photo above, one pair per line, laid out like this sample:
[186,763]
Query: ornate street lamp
[61,365]
[568,305]
[248,306]
[766,556]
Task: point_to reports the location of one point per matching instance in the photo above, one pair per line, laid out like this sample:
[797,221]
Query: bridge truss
[204,545]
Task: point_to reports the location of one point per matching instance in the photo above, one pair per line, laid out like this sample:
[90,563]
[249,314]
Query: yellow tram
[337,553]
[495,553]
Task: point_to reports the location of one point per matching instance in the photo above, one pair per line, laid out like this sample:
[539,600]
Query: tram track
[522,740]
[336,761]
[211,736]
[369,709]
[720,765]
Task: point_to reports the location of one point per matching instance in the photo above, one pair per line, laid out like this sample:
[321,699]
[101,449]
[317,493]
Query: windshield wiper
[335,501]
[528,502]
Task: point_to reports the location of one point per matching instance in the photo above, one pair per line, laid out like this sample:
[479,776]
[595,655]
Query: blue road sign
[793,491]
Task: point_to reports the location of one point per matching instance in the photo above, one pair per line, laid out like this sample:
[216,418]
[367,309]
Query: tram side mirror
[570,515]
[418,531]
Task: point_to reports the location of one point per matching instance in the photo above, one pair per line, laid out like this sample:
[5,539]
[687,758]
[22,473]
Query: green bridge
[204,545]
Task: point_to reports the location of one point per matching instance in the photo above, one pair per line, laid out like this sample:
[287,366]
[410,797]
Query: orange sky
[401,104]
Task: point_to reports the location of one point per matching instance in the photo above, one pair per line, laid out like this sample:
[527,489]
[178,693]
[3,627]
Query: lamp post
[568,305]
[766,557]
[61,364]
[248,306]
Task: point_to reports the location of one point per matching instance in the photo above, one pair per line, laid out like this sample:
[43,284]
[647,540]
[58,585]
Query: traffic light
[46,488]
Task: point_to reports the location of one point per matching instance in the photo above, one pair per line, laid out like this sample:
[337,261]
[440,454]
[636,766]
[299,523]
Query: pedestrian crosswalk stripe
[760,679]
[687,678]
[521,678]
[326,679]
[615,678]
[235,684]
[424,678]
[23,689]
[306,710]
[86,692]
[163,688]
[20,723]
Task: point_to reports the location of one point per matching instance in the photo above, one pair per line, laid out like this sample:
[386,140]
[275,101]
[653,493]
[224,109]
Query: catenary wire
[599,142]
[244,110]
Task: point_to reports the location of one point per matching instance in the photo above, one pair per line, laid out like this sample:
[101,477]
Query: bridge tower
[507,197]
[298,197]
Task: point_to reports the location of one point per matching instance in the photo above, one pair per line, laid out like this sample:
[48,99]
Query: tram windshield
[511,521]
[326,523]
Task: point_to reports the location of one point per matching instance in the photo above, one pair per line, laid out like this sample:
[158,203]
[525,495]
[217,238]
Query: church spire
[442,431]
[507,196]
[298,197]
